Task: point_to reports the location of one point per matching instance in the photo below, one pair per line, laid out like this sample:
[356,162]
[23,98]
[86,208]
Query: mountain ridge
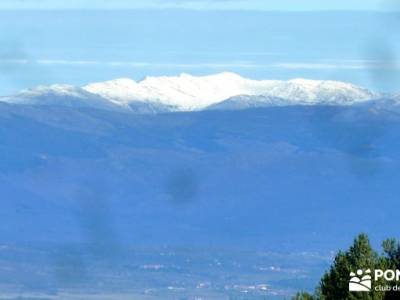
[193,93]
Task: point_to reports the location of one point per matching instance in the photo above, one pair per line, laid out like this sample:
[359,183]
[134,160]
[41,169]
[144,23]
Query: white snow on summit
[195,93]
[119,91]
[189,93]
[61,95]
[185,91]
[56,89]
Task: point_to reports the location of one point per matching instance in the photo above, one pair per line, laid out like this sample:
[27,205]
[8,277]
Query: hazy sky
[285,5]
[199,37]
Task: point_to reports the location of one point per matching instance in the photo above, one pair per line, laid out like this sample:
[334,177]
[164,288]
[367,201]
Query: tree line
[334,285]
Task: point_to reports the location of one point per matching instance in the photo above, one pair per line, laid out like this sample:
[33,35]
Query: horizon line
[206,74]
[185,9]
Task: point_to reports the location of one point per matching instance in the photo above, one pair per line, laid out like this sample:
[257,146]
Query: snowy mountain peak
[60,95]
[55,90]
[61,89]
[186,92]
[325,84]
[118,91]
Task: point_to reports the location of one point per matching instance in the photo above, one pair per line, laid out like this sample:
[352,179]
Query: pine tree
[335,283]
[304,296]
[391,249]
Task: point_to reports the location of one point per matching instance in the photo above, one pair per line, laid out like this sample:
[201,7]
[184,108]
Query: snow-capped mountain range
[193,93]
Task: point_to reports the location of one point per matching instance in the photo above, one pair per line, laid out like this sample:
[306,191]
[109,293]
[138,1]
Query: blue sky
[283,5]
[85,45]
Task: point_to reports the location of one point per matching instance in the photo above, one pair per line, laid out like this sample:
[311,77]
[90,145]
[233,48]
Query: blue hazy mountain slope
[300,177]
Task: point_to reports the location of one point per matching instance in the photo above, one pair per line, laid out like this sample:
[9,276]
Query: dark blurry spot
[69,266]
[182,186]
[381,51]
[100,243]
[16,64]
[382,47]
[12,57]
[96,222]
[391,5]
[356,133]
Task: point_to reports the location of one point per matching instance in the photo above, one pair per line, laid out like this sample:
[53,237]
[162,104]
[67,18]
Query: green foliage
[392,250]
[304,296]
[334,284]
